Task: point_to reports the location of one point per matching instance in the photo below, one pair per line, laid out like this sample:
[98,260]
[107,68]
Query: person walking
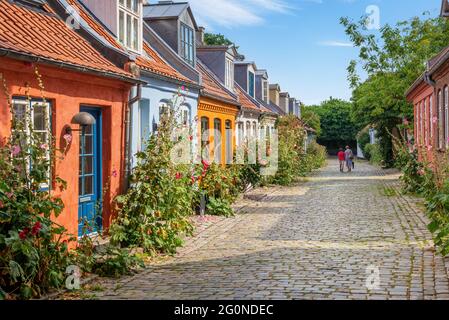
[349,157]
[342,159]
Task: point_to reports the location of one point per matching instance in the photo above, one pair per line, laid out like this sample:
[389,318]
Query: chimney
[200,35]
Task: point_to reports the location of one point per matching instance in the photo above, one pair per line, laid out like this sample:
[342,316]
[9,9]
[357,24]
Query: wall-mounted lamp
[83,119]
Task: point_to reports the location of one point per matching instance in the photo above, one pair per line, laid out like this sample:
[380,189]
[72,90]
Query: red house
[76,78]
[430,97]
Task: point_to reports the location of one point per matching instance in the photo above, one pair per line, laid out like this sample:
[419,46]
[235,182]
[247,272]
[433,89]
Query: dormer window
[187,44]
[251,84]
[265,90]
[229,77]
[130,21]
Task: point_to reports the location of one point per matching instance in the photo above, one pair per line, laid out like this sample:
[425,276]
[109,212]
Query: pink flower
[114,173]
[406,122]
[1,204]
[9,195]
[435,119]
[421,172]
[36,228]
[24,233]
[15,150]
[68,138]
[429,148]
[183,88]
[44,146]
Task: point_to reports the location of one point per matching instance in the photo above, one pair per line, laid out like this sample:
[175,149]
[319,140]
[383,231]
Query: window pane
[20,113]
[135,34]
[88,145]
[144,109]
[128,30]
[39,117]
[80,186]
[121,27]
[89,185]
[88,165]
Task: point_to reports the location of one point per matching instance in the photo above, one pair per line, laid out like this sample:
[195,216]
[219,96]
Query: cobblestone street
[323,239]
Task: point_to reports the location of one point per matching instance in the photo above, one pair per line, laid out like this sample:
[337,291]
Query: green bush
[154,213]
[372,152]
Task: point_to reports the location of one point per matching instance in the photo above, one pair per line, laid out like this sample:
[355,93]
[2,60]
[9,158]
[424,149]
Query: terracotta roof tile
[45,35]
[212,86]
[246,100]
[151,61]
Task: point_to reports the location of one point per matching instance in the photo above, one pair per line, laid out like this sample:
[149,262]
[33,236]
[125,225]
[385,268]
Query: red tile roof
[212,86]
[151,62]
[155,64]
[245,100]
[43,34]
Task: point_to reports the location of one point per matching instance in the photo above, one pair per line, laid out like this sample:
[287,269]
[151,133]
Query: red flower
[36,228]
[193,179]
[191,138]
[114,174]
[206,164]
[24,233]
[178,175]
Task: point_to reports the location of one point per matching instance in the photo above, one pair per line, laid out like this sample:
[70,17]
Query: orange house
[218,108]
[76,78]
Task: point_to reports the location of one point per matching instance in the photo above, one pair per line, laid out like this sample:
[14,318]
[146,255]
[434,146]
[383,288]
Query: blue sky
[300,42]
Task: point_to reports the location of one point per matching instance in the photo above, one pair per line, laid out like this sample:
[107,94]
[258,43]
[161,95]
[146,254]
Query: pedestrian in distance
[349,157]
[342,159]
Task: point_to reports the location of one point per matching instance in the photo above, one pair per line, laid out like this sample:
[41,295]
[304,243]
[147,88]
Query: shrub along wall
[430,181]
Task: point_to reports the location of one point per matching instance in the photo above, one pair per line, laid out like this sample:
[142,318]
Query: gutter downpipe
[128,126]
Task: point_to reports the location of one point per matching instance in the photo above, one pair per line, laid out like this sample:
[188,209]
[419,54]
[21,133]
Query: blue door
[90,207]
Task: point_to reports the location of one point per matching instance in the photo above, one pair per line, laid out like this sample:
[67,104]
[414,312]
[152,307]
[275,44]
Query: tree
[311,118]
[392,61]
[337,127]
[212,39]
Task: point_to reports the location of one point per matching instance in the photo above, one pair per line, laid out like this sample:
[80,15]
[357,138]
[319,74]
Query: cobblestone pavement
[322,239]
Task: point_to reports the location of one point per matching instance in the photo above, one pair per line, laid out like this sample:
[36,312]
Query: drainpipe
[128,145]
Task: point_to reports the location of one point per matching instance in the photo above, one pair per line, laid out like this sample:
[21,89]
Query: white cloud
[234,13]
[333,43]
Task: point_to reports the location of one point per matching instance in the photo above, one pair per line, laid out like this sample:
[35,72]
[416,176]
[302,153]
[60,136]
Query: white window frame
[133,15]
[183,42]
[265,90]
[229,74]
[29,116]
[185,114]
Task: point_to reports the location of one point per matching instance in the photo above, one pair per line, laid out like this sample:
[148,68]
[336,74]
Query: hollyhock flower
[15,150]
[183,88]
[24,233]
[435,119]
[178,175]
[44,146]
[421,172]
[114,173]
[68,138]
[191,138]
[193,179]
[206,164]
[36,228]
[9,195]
[406,123]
